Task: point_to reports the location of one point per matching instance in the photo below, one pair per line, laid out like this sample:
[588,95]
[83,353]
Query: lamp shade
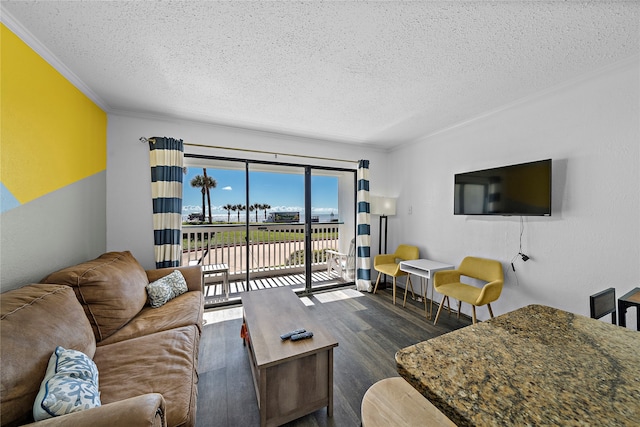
[383,205]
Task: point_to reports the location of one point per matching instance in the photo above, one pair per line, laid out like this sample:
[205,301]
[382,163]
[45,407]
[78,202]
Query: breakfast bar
[533,366]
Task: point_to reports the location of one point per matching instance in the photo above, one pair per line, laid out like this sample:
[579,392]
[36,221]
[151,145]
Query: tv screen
[522,189]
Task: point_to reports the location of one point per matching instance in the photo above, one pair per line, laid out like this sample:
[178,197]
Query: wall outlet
[410,210]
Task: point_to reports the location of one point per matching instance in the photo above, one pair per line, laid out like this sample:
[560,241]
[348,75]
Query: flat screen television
[523,189]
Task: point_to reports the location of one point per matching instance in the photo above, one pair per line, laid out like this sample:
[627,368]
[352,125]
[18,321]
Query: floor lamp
[385,207]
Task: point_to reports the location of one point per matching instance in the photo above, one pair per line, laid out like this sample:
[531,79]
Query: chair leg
[377,281]
[459,308]
[490,311]
[448,306]
[439,309]
[394,291]
[473,310]
[404,301]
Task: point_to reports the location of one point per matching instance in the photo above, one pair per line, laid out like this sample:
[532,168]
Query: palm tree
[235,208]
[239,208]
[204,183]
[209,184]
[198,182]
[228,207]
[256,207]
[266,207]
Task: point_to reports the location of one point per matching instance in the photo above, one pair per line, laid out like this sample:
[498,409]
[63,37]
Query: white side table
[216,270]
[424,268]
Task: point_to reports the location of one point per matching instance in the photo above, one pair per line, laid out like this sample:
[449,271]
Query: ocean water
[234,217]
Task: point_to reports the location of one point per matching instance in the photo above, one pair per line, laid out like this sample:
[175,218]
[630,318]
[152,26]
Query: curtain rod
[153,141]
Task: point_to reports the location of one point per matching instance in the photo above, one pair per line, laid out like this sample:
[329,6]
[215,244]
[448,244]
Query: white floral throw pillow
[70,385]
[166,288]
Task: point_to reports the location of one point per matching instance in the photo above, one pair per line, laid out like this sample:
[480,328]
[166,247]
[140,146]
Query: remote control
[292,333]
[301,336]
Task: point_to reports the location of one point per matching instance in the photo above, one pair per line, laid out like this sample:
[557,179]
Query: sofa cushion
[185,310]
[34,320]
[164,362]
[166,288]
[111,288]
[69,385]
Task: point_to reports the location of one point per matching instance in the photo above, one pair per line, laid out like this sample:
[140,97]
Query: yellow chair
[389,264]
[447,282]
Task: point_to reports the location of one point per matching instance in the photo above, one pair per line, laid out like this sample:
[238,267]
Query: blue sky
[284,192]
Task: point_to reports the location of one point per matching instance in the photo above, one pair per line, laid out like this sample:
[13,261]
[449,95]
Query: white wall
[591,130]
[61,228]
[129,209]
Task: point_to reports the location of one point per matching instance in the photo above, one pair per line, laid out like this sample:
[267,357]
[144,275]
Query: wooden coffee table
[291,378]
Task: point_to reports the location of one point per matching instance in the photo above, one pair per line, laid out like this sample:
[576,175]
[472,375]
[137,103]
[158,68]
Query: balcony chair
[342,264]
[447,282]
[603,303]
[389,264]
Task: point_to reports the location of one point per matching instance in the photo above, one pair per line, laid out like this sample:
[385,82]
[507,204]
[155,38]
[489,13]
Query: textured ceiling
[376,73]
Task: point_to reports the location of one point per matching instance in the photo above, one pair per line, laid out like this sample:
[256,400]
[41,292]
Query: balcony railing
[273,249]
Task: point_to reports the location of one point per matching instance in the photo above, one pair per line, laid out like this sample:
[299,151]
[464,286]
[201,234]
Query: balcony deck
[273,254]
[214,292]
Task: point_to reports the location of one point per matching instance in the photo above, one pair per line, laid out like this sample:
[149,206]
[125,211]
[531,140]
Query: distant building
[283,217]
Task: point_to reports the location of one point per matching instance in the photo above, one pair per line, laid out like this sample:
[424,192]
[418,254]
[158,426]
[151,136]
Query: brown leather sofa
[146,357]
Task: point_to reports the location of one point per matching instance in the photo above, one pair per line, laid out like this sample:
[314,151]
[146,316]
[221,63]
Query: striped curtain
[363,227]
[166,158]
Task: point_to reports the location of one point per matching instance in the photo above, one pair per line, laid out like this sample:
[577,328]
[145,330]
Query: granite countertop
[534,366]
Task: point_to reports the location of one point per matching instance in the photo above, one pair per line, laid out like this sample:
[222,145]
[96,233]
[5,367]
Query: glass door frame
[307,203]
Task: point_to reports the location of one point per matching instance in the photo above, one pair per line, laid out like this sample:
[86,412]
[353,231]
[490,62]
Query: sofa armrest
[147,410]
[192,274]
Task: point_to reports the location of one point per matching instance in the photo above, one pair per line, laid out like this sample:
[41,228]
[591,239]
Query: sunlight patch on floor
[337,295]
[217,316]
[306,301]
[233,313]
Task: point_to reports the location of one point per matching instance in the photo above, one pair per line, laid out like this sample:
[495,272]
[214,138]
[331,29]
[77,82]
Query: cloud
[286,209]
[191,208]
[325,211]
[227,188]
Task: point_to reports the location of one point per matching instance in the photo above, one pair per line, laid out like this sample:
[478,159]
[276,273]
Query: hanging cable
[520,254]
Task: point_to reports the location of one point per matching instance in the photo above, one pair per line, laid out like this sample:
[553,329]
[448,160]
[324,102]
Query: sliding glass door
[277,239]
[272,224]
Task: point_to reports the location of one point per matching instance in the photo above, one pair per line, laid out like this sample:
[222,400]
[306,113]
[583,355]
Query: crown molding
[30,40]
[629,61]
[282,134]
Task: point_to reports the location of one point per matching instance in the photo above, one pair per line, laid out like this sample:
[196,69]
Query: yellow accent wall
[52,135]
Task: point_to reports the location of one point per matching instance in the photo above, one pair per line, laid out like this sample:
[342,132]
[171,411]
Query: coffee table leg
[263,397]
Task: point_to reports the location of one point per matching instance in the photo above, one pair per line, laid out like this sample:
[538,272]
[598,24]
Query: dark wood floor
[369,330]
